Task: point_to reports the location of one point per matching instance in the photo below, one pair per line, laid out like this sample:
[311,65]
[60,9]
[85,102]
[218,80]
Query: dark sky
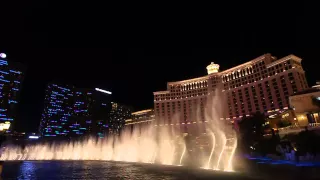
[68,45]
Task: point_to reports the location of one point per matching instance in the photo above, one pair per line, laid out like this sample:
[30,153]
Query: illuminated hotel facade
[263,84]
[11,77]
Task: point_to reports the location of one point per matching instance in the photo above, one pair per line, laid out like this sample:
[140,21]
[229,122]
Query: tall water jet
[229,167]
[212,149]
[224,141]
[183,152]
[201,141]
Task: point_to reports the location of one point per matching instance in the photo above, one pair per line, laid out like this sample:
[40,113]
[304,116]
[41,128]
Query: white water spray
[154,144]
[224,141]
[212,150]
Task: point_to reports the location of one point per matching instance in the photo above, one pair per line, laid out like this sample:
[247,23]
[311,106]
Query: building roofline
[304,93]
[316,86]
[246,63]
[291,56]
[249,63]
[142,111]
[161,92]
[188,80]
[221,72]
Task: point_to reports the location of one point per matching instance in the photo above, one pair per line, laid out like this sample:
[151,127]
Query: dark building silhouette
[118,115]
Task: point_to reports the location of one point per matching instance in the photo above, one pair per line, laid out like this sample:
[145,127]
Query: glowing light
[285,115]
[141,112]
[3,55]
[33,137]
[212,68]
[104,91]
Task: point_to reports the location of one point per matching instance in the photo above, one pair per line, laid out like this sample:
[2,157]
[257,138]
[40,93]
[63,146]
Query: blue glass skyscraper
[11,76]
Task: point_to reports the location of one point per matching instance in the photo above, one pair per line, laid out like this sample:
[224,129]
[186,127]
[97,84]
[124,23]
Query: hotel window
[280,104]
[246,91]
[294,88]
[291,76]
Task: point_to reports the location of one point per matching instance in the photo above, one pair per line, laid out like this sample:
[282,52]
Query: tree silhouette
[251,130]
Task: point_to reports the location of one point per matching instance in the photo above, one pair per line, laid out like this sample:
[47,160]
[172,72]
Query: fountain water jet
[183,152]
[212,150]
[229,168]
[153,144]
[224,141]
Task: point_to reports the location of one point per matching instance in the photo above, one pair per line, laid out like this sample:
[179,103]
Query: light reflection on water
[102,170]
[27,171]
[79,170]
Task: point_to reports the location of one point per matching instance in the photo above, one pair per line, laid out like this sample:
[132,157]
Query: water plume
[204,140]
[212,150]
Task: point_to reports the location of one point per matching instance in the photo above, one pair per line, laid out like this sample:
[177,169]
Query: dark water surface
[52,170]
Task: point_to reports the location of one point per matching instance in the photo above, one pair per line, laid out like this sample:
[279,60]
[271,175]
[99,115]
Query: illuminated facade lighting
[104,91]
[5,126]
[213,68]
[33,137]
[11,76]
[263,84]
[71,111]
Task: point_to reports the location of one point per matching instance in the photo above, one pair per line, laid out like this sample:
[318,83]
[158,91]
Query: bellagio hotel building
[263,84]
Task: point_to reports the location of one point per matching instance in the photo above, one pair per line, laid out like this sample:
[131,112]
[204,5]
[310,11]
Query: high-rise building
[263,84]
[82,122]
[118,114]
[58,109]
[71,112]
[101,107]
[11,77]
[91,111]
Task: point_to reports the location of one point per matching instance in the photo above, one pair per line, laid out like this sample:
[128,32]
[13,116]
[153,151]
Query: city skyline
[130,68]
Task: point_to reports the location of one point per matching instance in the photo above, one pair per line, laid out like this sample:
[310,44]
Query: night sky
[68,48]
